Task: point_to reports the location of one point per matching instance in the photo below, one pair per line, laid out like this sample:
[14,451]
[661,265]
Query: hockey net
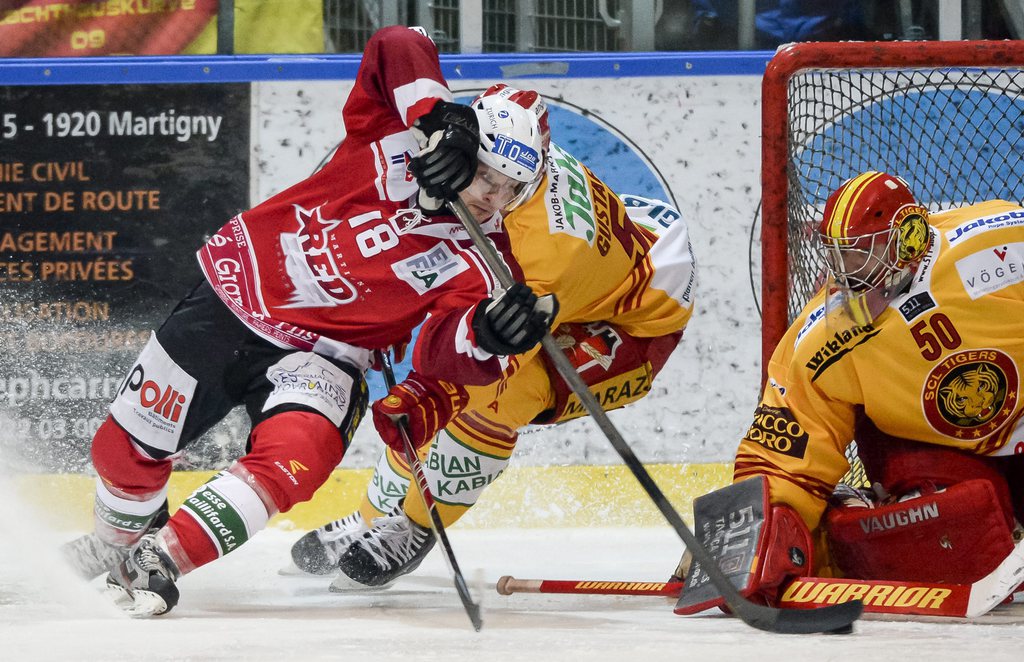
[946,116]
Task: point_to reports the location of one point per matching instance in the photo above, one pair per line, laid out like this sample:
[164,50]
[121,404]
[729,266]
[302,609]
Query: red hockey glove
[426,405]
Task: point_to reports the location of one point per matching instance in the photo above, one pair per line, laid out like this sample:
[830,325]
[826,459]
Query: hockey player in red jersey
[618,350]
[914,350]
[296,294]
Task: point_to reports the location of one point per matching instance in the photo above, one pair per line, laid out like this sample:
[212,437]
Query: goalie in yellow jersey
[914,350]
[624,276]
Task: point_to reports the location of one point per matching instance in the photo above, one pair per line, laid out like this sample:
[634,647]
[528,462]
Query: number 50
[935,333]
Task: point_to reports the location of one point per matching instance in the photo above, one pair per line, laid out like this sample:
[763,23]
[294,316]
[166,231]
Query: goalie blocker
[757,545]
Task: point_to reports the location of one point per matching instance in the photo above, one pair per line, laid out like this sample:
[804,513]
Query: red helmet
[873,234]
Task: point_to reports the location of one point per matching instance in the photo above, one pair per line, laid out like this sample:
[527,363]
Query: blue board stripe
[244,68]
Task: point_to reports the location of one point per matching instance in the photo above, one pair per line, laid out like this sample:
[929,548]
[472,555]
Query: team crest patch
[589,346]
[914,237]
[971,394]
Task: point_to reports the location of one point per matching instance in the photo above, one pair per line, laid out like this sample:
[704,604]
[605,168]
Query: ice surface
[240,608]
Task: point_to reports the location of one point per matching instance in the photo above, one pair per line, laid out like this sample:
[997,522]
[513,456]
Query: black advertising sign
[106,192]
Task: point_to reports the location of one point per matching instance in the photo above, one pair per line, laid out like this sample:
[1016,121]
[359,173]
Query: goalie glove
[450,138]
[514,321]
[426,405]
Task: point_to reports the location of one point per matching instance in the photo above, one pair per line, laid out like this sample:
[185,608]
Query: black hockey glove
[513,322]
[447,164]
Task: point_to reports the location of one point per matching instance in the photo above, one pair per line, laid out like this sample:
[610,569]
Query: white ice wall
[703,133]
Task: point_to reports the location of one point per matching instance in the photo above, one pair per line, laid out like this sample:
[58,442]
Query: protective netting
[857,476]
[955,134]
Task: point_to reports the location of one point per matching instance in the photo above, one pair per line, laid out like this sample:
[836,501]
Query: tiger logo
[914,237]
[970,395]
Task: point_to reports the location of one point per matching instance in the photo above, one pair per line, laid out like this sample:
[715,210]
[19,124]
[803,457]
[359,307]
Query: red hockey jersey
[344,262]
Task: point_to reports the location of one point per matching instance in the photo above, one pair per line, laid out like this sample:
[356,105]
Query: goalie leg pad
[901,465]
[758,545]
[954,536]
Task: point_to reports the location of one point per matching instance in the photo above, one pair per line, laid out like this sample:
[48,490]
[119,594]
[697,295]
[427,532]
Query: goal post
[946,116]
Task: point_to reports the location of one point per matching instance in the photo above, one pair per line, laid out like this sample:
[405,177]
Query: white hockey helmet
[514,136]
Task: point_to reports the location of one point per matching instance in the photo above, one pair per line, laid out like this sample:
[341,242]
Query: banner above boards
[105,194]
[91,28]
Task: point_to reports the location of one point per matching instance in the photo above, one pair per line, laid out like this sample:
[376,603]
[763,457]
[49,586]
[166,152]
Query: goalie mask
[514,140]
[873,236]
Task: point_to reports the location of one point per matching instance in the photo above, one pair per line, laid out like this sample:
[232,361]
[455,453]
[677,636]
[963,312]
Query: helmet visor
[493,188]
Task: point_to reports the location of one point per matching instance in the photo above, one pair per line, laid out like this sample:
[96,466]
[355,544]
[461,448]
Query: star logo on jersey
[314,231]
[311,259]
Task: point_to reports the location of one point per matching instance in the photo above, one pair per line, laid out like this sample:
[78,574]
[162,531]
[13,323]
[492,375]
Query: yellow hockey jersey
[941,365]
[575,239]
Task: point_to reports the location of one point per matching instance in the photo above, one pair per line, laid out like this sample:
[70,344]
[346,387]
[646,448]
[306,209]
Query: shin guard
[131,486]
[292,454]
[459,466]
[390,482]
[217,518]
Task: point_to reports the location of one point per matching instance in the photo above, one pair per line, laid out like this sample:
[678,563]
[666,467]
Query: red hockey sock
[123,467]
[187,542]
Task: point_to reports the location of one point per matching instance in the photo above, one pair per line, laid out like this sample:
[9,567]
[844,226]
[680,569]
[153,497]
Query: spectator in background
[714,24]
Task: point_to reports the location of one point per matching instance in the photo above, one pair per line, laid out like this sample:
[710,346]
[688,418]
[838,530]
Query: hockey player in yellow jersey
[625,291]
[913,349]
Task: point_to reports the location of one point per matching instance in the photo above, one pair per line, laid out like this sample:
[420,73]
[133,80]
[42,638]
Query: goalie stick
[892,597]
[436,525]
[837,618]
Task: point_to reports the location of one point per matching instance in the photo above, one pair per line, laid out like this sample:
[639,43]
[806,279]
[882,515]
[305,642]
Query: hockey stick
[472,609]
[879,596]
[837,618]
[507,585]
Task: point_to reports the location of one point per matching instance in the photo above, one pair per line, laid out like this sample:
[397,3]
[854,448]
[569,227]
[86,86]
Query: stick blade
[472,608]
[834,619]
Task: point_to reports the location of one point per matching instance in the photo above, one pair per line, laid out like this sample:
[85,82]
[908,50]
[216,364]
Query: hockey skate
[143,584]
[90,557]
[394,546]
[317,552]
